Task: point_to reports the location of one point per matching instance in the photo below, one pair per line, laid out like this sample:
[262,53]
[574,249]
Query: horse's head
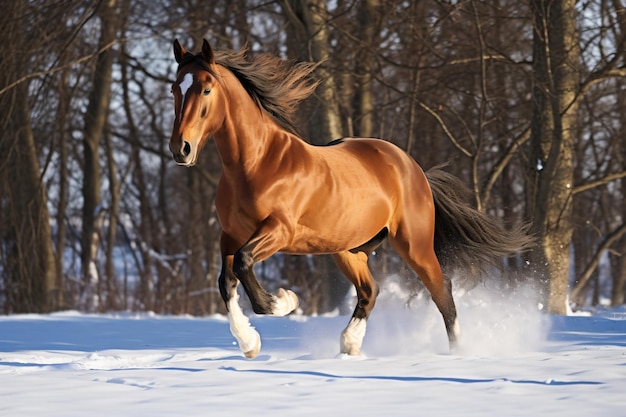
[199,110]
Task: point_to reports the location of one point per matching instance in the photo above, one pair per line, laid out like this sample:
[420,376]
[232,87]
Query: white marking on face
[184,87]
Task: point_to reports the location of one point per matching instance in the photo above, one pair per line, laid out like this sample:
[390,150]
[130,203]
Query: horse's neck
[244,142]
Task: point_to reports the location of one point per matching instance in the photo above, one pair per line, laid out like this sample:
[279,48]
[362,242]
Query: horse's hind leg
[354,266]
[422,259]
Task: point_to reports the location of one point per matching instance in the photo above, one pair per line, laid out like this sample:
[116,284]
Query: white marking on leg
[456,329]
[247,337]
[456,333]
[352,336]
[285,301]
[184,87]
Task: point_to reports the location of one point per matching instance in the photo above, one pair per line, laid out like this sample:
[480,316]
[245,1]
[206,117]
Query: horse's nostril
[186,148]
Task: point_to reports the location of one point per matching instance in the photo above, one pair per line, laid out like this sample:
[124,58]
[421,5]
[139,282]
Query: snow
[514,361]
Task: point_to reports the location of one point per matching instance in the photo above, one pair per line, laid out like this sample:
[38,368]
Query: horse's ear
[207,52]
[179,51]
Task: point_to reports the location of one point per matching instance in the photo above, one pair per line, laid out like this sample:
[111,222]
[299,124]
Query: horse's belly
[334,229]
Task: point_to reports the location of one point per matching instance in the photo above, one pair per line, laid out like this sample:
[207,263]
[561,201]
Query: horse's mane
[276,85]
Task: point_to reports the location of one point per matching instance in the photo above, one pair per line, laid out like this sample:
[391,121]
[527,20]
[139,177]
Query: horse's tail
[465,236]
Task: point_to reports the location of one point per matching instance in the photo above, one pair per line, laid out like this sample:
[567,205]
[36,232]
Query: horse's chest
[240,211]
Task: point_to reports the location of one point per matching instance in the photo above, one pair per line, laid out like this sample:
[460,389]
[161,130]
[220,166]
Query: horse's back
[377,169]
[377,160]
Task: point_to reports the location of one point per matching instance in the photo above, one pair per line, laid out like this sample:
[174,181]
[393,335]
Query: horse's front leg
[240,268]
[267,240]
[247,337]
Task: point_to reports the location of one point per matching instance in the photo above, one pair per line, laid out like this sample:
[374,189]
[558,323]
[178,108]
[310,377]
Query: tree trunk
[145,222]
[618,266]
[95,121]
[29,270]
[32,268]
[556,57]
[110,285]
[196,275]
[364,67]
[63,138]
[309,26]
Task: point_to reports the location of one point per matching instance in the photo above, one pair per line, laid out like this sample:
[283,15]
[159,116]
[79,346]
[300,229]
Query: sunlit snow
[514,362]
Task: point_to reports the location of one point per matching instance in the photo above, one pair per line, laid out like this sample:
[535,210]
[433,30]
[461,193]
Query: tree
[602,154]
[309,26]
[94,126]
[28,260]
[556,68]
[368,18]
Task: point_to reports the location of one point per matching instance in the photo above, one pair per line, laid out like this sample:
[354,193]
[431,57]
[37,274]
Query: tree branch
[443,126]
[595,261]
[56,69]
[599,182]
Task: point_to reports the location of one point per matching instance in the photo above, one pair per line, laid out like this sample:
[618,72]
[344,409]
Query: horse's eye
[206,91]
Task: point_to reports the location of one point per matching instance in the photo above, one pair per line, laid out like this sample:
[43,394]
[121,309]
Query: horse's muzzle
[184,155]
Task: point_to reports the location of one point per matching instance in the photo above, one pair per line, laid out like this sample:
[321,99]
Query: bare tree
[28,261]
[94,123]
[618,294]
[556,57]
[309,28]
[368,20]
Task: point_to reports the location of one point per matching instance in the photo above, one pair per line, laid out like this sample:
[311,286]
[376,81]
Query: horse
[278,193]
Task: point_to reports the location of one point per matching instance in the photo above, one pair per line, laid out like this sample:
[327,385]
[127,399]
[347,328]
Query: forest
[525,101]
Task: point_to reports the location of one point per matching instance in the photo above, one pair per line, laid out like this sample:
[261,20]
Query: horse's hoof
[352,337]
[253,348]
[285,301]
[251,354]
[351,350]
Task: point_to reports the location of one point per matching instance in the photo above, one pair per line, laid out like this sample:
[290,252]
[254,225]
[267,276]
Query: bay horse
[278,193]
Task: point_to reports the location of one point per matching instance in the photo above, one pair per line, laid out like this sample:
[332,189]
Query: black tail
[464,236]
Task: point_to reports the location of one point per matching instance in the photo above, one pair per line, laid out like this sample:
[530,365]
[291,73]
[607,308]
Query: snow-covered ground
[514,362]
